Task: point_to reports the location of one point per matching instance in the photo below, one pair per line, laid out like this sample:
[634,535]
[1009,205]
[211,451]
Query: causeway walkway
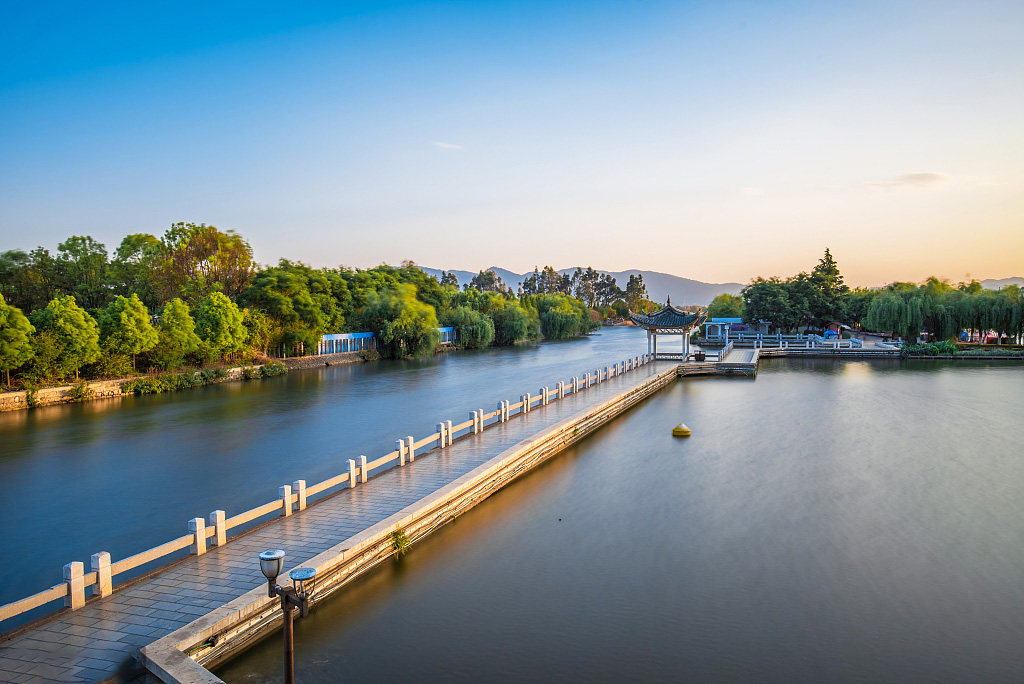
[102,640]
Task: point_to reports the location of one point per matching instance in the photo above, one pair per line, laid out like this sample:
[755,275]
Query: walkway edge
[183,655]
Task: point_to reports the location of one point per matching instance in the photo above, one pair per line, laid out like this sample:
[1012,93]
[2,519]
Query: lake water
[126,475]
[827,521]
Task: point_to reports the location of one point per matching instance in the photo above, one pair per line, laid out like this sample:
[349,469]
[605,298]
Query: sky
[714,140]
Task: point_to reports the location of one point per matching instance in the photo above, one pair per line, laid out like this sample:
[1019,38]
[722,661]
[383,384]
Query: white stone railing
[213,530]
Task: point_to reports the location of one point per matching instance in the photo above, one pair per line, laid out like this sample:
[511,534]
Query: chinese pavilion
[668,320]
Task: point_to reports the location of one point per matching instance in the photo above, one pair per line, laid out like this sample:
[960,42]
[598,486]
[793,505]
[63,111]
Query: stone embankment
[111,389]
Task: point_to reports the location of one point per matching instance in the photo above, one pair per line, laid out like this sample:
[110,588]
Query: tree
[636,292]
[449,279]
[299,302]
[71,335]
[487,281]
[219,326]
[125,327]
[560,316]
[511,324]
[898,310]
[769,300]
[176,335]
[15,338]
[726,305]
[473,329]
[81,270]
[134,267]
[201,259]
[26,278]
[826,292]
[404,325]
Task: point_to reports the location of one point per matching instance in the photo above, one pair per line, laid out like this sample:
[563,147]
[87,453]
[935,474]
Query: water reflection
[845,523]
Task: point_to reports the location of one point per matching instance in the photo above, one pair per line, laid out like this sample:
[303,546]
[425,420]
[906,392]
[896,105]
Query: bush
[80,391]
[944,348]
[253,373]
[272,368]
[370,354]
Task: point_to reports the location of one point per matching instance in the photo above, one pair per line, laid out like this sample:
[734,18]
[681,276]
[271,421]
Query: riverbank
[115,389]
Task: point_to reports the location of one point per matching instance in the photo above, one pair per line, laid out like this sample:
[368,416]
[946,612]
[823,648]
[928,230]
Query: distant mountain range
[659,285]
[995,284]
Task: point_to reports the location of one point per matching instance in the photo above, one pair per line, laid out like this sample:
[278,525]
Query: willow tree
[899,310]
[404,325]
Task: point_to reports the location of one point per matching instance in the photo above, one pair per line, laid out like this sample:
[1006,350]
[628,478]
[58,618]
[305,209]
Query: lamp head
[271,563]
[303,579]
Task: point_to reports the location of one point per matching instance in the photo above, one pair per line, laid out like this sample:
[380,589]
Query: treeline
[598,291]
[816,299]
[943,311]
[196,296]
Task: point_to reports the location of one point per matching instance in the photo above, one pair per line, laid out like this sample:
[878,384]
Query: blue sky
[713,140]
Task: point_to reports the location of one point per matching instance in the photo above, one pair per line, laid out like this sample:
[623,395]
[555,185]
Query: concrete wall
[321,360]
[101,389]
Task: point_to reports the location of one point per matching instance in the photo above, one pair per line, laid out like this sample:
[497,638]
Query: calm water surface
[828,521]
[124,476]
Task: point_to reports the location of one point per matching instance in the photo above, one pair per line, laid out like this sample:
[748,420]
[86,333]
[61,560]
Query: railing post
[100,563]
[352,473]
[218,521]
[299,487]
[363,475]
[480,412]
[400,448]
[197,526]
[412,449]
[561,389]
[74,577]
[285,494]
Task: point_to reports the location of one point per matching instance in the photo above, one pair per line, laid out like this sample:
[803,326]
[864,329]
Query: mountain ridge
[684,291]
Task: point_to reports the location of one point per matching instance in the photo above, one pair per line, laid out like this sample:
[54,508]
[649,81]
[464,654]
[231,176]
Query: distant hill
[659,285]
[995,284]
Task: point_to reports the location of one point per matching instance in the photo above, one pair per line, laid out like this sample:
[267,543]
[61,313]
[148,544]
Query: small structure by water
[669,320]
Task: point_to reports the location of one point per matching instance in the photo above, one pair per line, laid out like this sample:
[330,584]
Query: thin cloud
[913,180]
[446,145]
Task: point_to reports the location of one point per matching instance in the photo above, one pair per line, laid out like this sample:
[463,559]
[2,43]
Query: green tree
[81,270]
[768,299]
[299,301]
[200,259]
[125,327]
[487,281]
[473,329]
[219,326]
[511,324]
[15,338]
[133,269]
[726,305]
[176,335]
[71,335]
[404,325]
[636,292]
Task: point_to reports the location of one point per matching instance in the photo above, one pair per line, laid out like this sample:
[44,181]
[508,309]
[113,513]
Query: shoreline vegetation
[196,299]
[935,309]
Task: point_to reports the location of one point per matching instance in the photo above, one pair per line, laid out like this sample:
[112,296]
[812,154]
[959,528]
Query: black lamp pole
[295,596]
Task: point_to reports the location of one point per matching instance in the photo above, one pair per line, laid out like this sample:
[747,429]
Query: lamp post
[295,596]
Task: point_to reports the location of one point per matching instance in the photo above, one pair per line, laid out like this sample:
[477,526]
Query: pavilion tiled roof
[668,317]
